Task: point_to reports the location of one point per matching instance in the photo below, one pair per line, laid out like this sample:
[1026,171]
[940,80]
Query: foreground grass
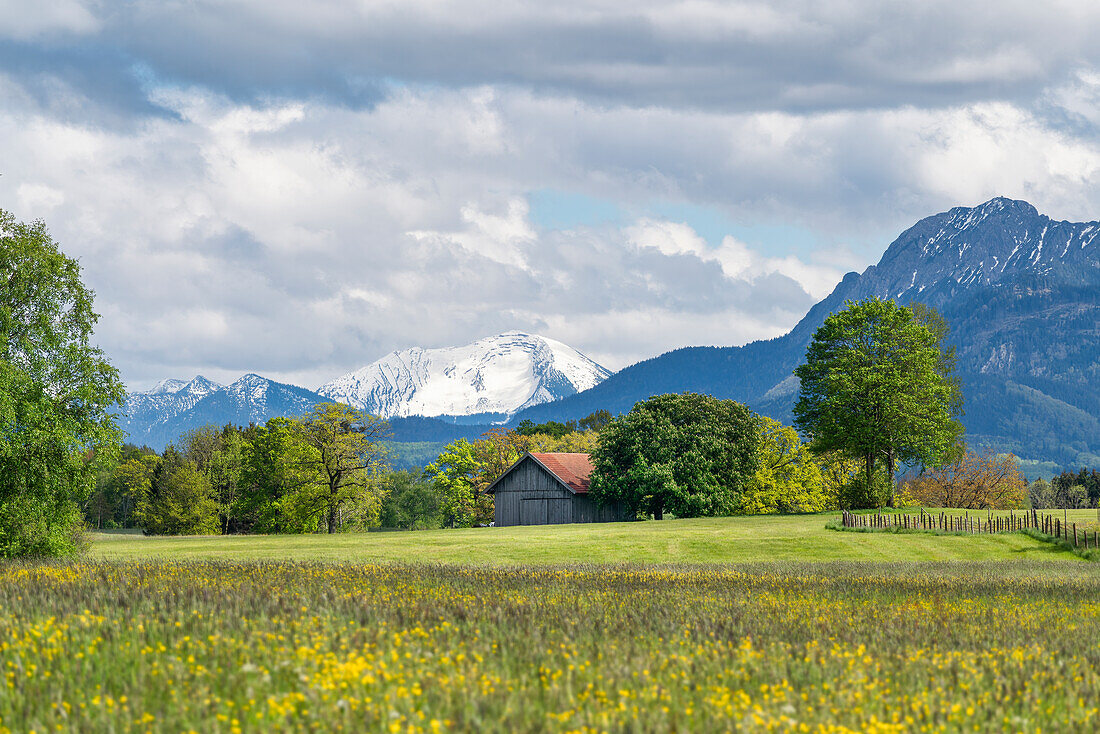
[216,646]
[712,540]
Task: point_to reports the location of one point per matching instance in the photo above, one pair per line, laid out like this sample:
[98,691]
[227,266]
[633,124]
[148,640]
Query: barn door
[548,511]
[533,512]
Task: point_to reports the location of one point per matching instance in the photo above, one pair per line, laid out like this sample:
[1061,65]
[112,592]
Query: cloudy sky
[299,188]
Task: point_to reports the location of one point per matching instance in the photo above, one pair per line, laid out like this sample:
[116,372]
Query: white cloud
[27,19]
[299,235]
[38,200]
[735,258]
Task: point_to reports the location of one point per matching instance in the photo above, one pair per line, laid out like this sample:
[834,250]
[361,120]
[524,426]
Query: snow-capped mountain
[497,375]
[156,409]
[173,407]
[986,245]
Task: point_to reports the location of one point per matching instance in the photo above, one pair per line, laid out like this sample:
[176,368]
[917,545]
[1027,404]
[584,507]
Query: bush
[859,494]
[31,529]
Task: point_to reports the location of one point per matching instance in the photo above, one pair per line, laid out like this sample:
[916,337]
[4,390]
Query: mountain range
[479,383]
[1020,291]
[487,380]
[174,407]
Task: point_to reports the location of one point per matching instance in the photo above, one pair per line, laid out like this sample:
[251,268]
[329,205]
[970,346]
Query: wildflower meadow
[307,646]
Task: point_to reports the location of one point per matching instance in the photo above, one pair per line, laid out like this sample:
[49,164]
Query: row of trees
[319,473]
[325,472]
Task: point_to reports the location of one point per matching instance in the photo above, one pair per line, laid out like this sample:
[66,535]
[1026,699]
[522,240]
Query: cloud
[737,261]
[298,189]
[28,19]
[743,55]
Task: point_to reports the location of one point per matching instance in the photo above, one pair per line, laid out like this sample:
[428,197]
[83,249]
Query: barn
[549,489]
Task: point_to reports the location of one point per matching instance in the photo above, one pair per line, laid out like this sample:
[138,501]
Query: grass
[756,624]
[717,540]
[293,646]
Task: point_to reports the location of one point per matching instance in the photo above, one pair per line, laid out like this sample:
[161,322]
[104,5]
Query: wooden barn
[549,489]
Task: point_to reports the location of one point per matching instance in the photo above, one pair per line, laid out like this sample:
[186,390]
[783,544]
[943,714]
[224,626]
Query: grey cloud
[797,55]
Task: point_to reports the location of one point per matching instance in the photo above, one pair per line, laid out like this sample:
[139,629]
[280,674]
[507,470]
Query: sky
[297,189]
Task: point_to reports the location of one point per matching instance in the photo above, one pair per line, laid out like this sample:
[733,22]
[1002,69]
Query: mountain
[154,412]
[1020,291]
[172,408]
[489,379]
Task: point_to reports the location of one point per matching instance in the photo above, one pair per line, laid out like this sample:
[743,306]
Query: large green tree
[687,454]
[343,458]
[58,394]
[878,386]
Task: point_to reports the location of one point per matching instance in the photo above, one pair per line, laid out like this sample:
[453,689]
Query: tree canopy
[57,394]
[878,386]
[687,454]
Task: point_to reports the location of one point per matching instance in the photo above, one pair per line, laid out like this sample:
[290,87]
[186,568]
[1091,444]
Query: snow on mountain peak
[167,386]
[498,374]
[981,245]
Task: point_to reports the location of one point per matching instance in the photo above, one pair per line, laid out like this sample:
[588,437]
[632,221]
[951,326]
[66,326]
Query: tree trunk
[890,469]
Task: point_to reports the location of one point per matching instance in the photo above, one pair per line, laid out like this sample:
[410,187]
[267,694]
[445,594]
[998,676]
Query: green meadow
[711,540]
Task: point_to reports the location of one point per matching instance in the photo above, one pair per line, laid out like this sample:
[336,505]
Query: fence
[977,524]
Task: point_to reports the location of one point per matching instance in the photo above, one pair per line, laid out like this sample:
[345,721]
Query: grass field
[751,624]
[717,540]
[221,647]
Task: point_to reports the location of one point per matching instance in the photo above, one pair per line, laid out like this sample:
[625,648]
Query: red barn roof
[572,470]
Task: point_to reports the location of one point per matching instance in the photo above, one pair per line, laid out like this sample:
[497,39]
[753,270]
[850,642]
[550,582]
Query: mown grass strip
[1091,554]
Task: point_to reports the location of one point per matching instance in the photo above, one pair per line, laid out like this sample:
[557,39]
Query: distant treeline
[277,477]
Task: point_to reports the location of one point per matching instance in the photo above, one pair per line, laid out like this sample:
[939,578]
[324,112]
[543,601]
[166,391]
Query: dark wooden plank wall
[530,495]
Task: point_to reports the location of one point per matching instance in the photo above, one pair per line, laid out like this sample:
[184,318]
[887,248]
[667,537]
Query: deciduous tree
[877,386]
[58,394]
[687,454]
[971,481]
[788,477]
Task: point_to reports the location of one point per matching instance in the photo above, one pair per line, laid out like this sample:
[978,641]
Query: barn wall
[585,509]
[529,495]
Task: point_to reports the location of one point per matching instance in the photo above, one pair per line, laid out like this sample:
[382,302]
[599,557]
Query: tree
[596,421]
[410,502]
[1088,479]
[272,461]
[577,442]
[787,479]
[179,501]
[465,469]
[343,458]
[972,482]
[878,386]
[132,479]
[688,454]
[1044,495]
[57,394]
